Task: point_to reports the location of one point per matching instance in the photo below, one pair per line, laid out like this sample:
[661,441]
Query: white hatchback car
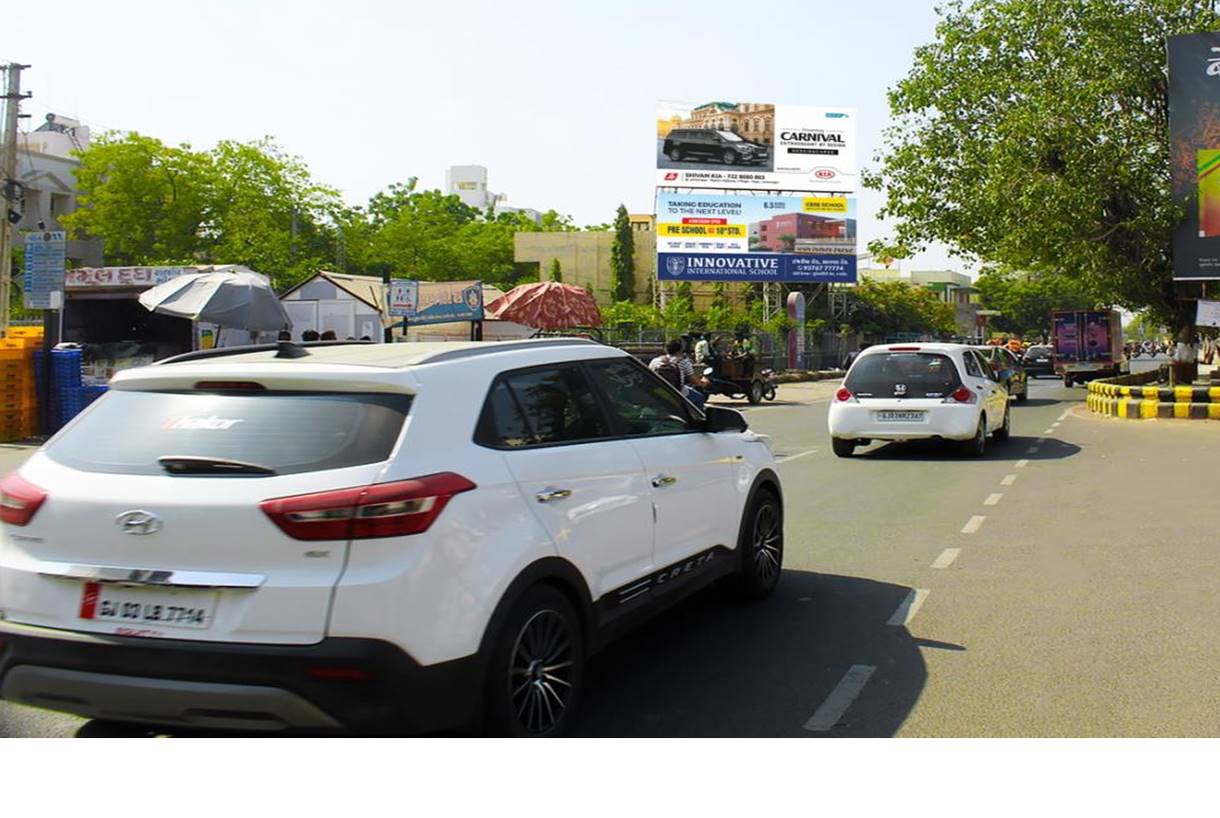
[372,538]
[918,391]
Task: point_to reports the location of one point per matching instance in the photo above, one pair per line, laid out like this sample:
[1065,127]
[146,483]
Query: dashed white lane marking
[909,607]
[794,456]
[973,524]
[992,499]
[946,557]
[1032,450]
[1020,464]
[1008,480]
[1055,425]
[1064,416]
[1049,431]
[841,698]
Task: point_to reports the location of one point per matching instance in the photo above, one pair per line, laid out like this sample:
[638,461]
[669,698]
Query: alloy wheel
[730,157]
[541,675]
[767,554]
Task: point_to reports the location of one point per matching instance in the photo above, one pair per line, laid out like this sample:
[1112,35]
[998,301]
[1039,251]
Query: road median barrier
[1142,395]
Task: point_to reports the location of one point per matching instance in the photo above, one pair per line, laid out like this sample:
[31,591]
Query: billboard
[1194,152]
[760,237]
[755,146]
[441,302]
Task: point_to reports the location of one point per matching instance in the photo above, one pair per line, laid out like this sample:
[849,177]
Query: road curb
[1127,397]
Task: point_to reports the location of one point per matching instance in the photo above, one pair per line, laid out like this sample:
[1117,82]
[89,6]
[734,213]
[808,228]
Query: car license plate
[909,417]
[1043,360]
[160,607]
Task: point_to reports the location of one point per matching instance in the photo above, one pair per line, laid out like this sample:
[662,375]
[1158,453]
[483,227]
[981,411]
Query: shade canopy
[238,300]
[547,305]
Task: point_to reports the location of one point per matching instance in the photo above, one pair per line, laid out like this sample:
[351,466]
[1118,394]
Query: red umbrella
[546,305]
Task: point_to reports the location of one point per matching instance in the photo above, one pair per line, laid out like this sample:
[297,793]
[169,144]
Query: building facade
[750,120]
[779,233]
[46,171]
[469,183]
[584,257]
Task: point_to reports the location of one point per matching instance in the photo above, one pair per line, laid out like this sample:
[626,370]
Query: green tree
[882,308]
[147,201]
[622,257]
[788,243]
[1034,134]
[268,213]
[556,271]
[1025,300]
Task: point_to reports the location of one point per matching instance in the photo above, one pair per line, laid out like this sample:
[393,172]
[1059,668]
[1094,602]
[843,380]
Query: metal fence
[822,350]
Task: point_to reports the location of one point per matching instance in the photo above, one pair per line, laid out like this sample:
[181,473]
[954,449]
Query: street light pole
[8,167]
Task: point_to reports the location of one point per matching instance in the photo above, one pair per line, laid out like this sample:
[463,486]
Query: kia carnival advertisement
[755,145]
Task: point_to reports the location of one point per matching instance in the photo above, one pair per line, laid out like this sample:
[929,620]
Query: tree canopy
[1025,300]
[254,204]
[1034,134]
[883,308]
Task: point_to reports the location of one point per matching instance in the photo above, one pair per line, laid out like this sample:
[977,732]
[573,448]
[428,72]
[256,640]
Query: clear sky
[556,99]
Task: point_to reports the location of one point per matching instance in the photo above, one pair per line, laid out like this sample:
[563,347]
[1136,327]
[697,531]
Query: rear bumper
[337,685]
[858,422]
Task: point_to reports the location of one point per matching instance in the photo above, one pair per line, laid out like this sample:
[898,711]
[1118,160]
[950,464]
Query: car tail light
[19,499]
[366,512]
[963,394]
[229,386]
[844,394]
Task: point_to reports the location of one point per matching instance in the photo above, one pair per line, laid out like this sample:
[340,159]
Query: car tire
[770,393]
[976,445]
[537,668]
[1067,380]
[675,154]
[729,157]
[755,395]
[841,447]
[760,546]
[1005,430]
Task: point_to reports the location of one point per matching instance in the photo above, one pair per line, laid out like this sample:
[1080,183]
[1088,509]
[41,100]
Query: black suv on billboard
[701,143]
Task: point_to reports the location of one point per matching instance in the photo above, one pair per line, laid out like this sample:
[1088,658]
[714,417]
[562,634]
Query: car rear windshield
[903,375]
[127,432]
[1038,352]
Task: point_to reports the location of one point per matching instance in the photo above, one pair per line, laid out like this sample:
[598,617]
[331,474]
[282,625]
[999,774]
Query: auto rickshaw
[736,376]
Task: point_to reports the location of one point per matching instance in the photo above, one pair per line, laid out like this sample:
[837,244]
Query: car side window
[556,405]
[642,402]
[972,364]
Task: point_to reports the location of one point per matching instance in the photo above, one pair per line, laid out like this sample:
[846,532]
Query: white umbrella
[239,300]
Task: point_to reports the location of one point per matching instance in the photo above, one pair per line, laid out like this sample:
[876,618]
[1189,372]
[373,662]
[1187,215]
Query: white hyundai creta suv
[369,538]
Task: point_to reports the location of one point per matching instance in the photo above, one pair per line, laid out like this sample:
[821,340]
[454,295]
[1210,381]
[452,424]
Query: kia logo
[669,177]
[824,173]
[138,522]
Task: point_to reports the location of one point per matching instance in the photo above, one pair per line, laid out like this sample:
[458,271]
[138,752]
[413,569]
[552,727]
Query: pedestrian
[703,350]
[1184,360]
[851,356]
[309,335]
[284,335]
[329,335]
[676,370]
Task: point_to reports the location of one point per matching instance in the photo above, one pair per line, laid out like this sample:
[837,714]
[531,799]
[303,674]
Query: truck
[1086,344]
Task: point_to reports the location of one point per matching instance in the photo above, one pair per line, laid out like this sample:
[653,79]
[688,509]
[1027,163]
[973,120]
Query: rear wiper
[185,464]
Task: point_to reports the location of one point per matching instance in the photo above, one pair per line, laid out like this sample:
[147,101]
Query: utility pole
[8,168]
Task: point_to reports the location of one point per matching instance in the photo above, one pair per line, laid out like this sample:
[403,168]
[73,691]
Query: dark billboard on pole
[1194,152]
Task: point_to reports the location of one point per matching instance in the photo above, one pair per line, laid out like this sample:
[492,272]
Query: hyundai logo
[138,522]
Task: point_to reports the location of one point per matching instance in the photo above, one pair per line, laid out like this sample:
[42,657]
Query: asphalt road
[1061,585]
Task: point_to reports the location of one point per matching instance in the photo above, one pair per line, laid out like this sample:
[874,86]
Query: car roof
[391,356]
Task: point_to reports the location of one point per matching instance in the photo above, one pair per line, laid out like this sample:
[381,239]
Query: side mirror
[720,419]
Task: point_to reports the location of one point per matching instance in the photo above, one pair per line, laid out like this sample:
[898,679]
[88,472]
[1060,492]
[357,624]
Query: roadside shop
[351,306]
[102,313]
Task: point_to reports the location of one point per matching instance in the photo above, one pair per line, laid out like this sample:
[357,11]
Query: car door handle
[552,494]
[663,480]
